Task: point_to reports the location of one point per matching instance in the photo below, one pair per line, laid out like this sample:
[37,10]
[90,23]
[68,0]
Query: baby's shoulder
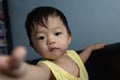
[44,67]
[42,71]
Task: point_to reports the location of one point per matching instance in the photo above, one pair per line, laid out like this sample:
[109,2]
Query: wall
[91,21]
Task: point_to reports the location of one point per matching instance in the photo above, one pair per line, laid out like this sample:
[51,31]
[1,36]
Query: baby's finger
[101,45]
[19,53]
[4,60]
[12,65]
[17,56]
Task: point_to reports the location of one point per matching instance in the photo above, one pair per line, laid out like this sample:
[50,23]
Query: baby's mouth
[53,49]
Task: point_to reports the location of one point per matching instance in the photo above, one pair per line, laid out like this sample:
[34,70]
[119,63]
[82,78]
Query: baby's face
[51,42]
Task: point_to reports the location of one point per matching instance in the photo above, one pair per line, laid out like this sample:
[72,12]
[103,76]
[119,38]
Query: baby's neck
[61,60]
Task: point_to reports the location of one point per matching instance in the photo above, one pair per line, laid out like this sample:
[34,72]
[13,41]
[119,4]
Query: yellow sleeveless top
[61,74]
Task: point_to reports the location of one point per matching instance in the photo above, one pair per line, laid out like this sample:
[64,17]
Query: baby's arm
[14,68]
[87,52]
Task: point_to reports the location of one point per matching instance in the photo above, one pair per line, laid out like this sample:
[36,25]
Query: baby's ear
[69,39]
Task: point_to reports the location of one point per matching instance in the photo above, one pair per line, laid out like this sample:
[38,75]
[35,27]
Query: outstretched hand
[13,65]
[87,52]
[97,46]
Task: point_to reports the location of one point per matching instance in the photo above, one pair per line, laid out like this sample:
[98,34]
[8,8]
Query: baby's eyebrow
[56,28]
[38,32]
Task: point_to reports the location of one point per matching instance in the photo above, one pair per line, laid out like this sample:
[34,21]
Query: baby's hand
[97,46]
[13,65]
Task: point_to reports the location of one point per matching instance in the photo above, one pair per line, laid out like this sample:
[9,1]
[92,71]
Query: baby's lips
[54,48]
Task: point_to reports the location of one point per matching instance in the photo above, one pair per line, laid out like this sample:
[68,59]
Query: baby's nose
[51,41]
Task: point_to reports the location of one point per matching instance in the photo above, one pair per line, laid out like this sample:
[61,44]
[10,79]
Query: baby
[50,36]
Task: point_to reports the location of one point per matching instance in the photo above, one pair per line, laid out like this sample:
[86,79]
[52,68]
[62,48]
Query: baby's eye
[41,37]
[58,33]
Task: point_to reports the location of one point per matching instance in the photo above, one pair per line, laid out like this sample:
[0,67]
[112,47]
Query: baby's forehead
[52,18]
[45,22]
[51,21]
